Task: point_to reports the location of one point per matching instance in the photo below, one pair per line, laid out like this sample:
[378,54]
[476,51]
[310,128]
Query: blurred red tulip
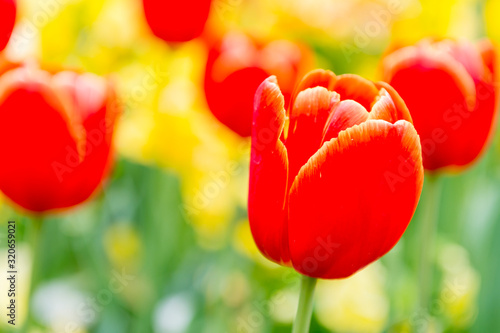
[177,21]
[450,90]
[55,136]
[7,21]
[333,186]
[236,67]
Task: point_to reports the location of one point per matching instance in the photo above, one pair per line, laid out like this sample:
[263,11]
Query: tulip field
[249,166]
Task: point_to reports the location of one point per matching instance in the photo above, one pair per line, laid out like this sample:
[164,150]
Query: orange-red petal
[384,108]
[95,103]
[426,58]
[402,110]
[315,78]
[307,120]
[357,88]
[269,174]
[352,201]
[345,115]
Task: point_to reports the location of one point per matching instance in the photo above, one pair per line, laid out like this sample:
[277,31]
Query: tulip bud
[235,68]
[55,136]
[450,89]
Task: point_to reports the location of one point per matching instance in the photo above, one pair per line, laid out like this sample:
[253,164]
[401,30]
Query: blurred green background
[165,245]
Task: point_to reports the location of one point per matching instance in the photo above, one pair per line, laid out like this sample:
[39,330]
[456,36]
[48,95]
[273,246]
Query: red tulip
[449,87]
[333,186]
[235,69]
[55,136]
[176,21]
[7,20]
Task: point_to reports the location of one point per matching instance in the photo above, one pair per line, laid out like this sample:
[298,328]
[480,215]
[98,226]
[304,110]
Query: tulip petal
[432,63]
[307,121]
[401,109]
[465,53]
[345,115]
[7,21]
[94,102]
[231,101]
[315,78]
[474,132]
[237,65]
[352,201]
[357,88]
[269,174]
[384,108]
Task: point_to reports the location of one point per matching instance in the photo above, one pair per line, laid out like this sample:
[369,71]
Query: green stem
[428,238]
[36,252]
[304,311]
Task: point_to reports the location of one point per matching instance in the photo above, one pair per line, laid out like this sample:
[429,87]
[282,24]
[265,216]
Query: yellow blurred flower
[168,124]
[459,288]
[491,10]
[100,40]
[428,18]
[123,245]
[236,289]
[359,26]
[448,18]
[464,20]
[244,243]
[132,136]
[284,305]
[357,304]
[55,18]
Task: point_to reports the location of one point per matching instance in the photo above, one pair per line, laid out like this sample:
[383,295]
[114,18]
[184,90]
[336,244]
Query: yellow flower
[492,8]
[123,245]
[437,19]
[460,286]
[429,18]
[244,243]
[283,305]
[60,31]
[358,304]
[167,123]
